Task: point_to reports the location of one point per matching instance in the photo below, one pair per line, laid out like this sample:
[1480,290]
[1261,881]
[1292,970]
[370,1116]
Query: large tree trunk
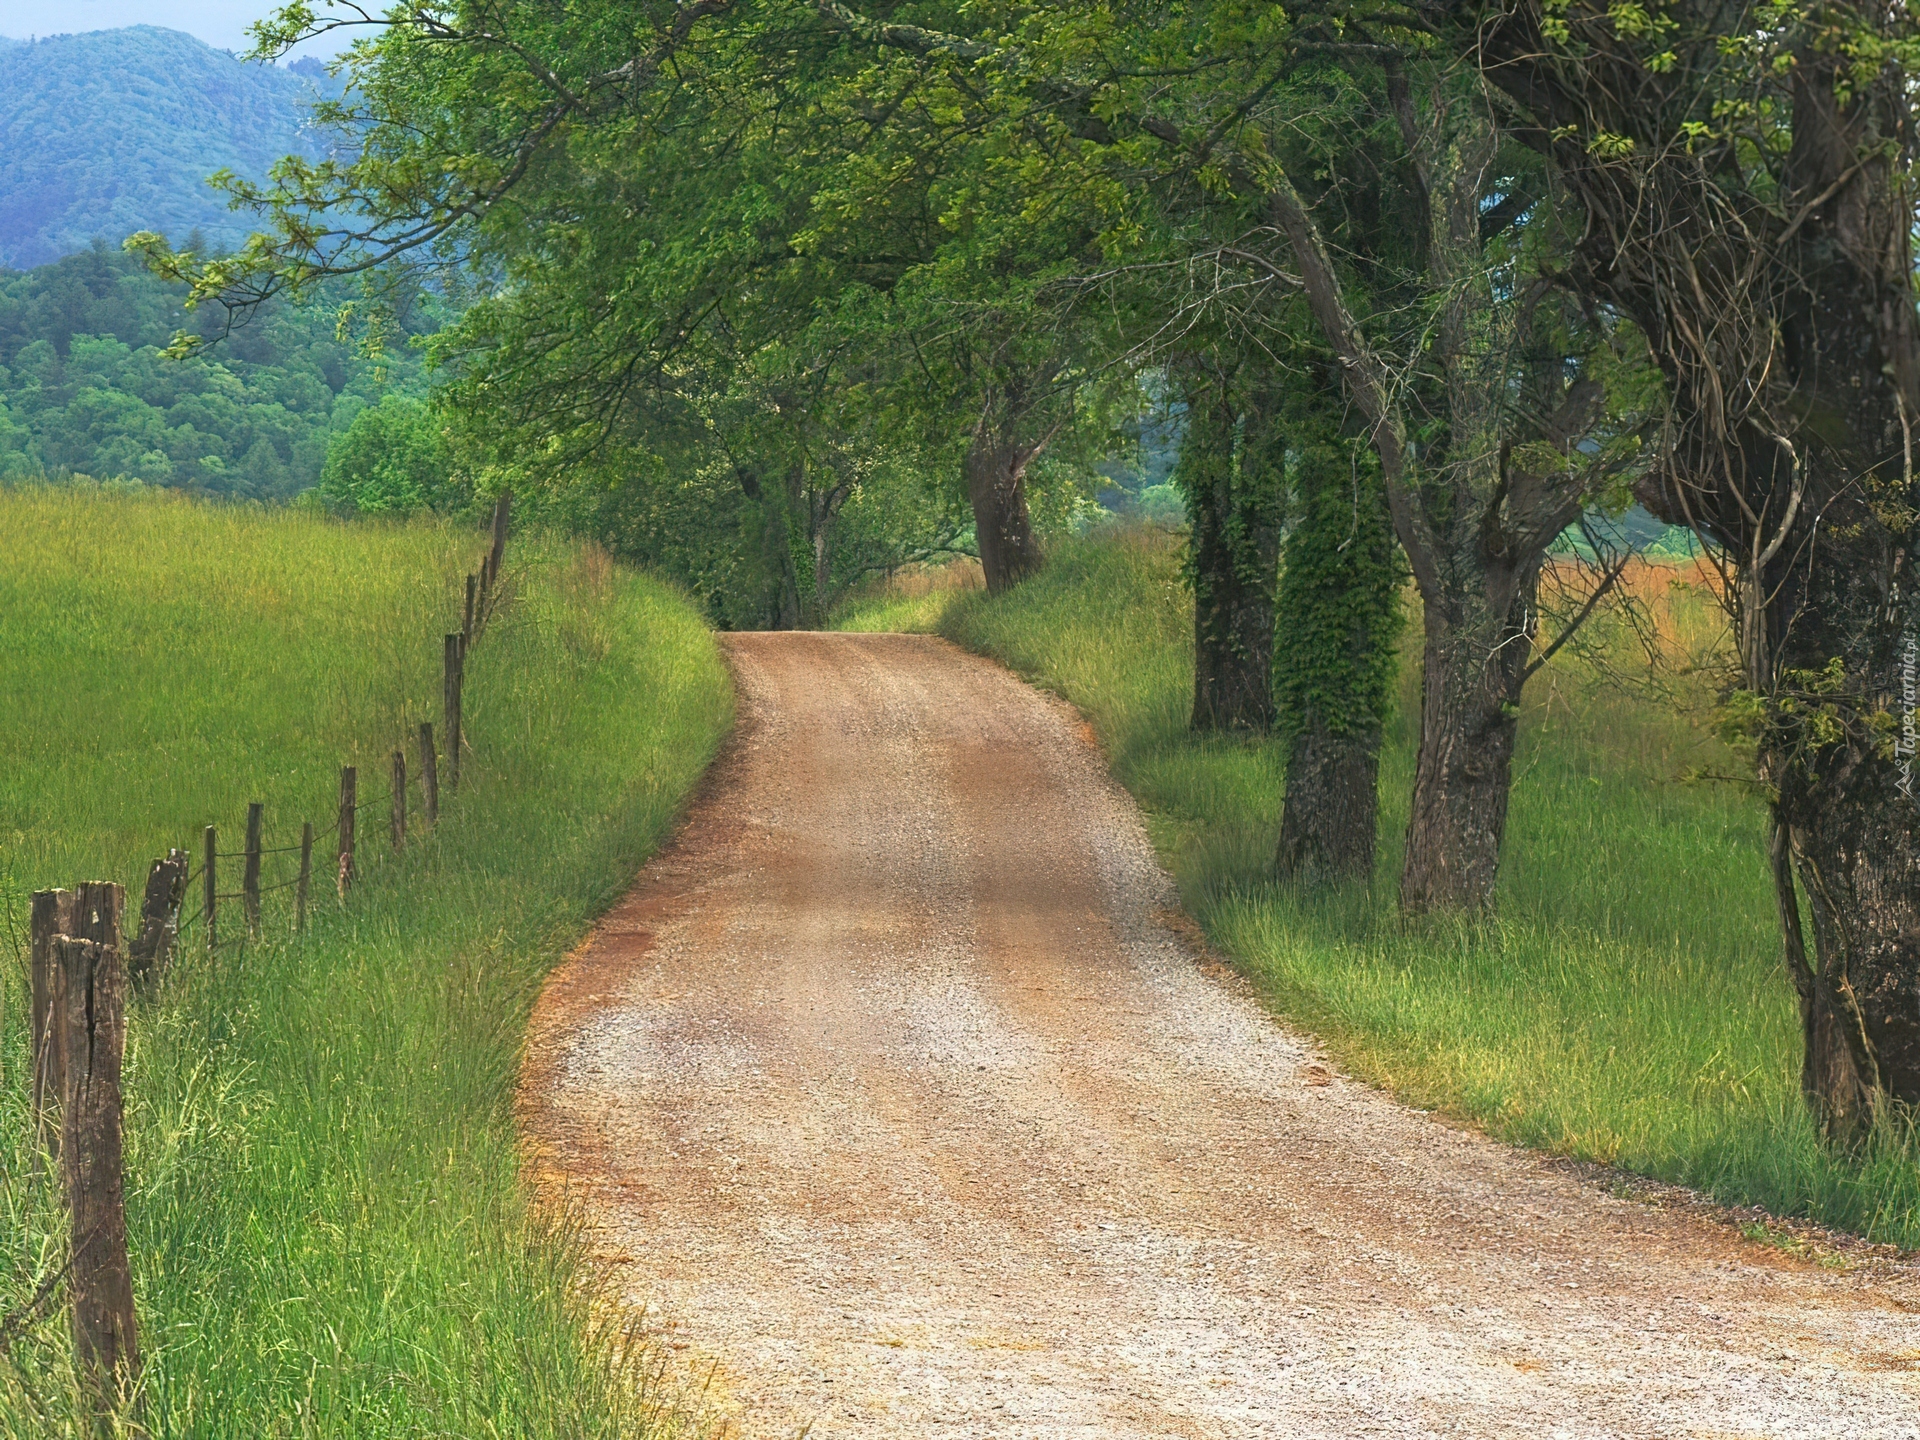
[1233,505]
[1852,353]
[996,469]
[1331,816]
[1471,673]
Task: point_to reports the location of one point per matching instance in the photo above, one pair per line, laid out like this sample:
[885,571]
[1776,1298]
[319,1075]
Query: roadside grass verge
[1628,1005]
[328,1226]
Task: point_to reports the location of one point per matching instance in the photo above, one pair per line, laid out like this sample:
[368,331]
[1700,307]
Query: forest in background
[86,389]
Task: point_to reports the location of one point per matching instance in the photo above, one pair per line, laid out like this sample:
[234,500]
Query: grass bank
[328,1229]
[1627,1006]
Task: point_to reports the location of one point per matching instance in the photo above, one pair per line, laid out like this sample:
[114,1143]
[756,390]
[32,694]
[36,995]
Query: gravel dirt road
[895,1093]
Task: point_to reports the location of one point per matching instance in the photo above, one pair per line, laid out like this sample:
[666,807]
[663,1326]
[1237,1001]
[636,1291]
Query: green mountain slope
[113,131]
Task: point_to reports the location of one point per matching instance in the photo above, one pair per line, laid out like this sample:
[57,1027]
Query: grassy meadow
[1628,1005]
[328,1229]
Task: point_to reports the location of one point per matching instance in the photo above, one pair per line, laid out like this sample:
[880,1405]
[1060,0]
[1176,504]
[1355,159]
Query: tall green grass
[1628,1005]
[329,1231]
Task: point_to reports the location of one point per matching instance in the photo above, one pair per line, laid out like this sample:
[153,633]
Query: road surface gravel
[898,1095]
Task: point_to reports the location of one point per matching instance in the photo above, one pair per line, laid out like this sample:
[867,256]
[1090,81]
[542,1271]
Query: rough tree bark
[1777,300]
[1228,473]
[996,470]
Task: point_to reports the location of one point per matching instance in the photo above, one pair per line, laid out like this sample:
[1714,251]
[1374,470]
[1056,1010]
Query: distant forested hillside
[84,388]
[114,131]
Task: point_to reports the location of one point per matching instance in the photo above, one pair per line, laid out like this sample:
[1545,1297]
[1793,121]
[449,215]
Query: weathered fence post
[152,944]
[498,553]
[349,787]
[429,773]
[399,800]
[306,877]
[93,996]
[453,663]
[209,862]
[466,626]
[250,877]
[51,914]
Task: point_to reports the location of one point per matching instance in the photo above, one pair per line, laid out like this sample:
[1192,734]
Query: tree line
[85,388]
[1430,281]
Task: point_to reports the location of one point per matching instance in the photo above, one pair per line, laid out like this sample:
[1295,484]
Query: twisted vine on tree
[1746,178]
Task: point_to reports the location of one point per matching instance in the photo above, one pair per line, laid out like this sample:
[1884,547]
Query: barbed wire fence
[84,964]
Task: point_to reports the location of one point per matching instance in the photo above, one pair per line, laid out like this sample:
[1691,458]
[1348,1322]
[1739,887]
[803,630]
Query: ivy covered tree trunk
[1232,484]
[1336,620]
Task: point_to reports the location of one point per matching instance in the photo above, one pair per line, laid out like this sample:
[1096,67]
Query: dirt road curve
[891,1091]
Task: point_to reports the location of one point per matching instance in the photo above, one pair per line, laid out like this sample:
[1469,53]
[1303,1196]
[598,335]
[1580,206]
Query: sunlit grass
[1629,1003]
[329,1231]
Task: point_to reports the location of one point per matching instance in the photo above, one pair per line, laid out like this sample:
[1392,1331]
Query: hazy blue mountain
[113,131]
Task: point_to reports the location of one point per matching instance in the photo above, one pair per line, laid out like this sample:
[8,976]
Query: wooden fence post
[453,663]
[399,800]
[51,913]
[93,997]
[306,877]
[429,773]
[152,944]
[250,877]
[349,787]
[498,553]
[466,627]
[209,862]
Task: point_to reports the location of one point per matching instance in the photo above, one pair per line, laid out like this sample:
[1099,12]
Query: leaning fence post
[51,913]
[429,774]
[306,877]
[498,553]
[399,800]
[349,786]
[93,996]
[452,664]
[209,861]
[250,877]
[159,917]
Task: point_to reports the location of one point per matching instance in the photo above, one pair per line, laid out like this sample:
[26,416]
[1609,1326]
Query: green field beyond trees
[1626,1006]
[328,1231]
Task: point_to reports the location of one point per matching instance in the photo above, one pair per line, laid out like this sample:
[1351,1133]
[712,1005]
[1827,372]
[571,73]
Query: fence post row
[250,877]
[153,943]
[306,877]
[91,998]
[78,1023]
[349,788]
[453,664]
[429,774]
[209,863]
